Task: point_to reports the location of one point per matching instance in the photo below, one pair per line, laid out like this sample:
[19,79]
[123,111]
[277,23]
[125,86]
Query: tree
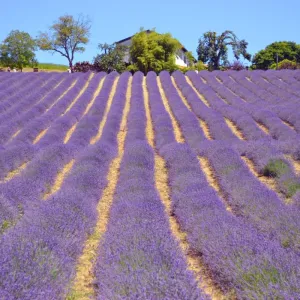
[66,37]
[265,58]
[18,50]
[151,51]
[213,49]
[111,58]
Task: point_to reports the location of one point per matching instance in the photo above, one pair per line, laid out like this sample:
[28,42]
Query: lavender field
[150,187]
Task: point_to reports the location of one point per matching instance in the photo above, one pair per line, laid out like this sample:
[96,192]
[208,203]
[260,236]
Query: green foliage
[199,66]
[285,64]
[275,168]
[5,225]
[259,278]
[132,68]
[266,58]
[18,50]
[111,58]
[213,49]
[153,52]
[291,186]
[190,58]
[66,37]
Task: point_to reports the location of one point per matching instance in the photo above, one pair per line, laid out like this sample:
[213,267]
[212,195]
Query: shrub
[275,168]
[285,64]
[85,66]
[236,66]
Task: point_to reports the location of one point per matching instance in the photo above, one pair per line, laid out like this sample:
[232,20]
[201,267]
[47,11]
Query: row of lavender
[201,214]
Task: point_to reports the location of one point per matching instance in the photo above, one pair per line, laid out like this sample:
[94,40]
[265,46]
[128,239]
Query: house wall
[127,56]
[181,59]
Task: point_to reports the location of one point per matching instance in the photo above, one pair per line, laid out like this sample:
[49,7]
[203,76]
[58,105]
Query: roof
[148,31]
[130,37]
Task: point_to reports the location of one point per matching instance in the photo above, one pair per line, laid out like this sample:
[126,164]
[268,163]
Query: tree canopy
[18,50]
[66,37]
[111,58]
[151,51]
[213,49]
[265,58]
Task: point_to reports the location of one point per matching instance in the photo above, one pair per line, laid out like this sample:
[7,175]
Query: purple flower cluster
[22,98]
[233,110]
[255,106]
[215,121]
[42,122]
[163,131]
[238,257]
[24,112]
[187,120]
[252,200]
[17,83]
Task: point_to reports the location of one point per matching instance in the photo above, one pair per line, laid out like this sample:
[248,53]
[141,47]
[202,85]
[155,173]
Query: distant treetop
[66,37]
[267,57]
[18,50]
[213,49]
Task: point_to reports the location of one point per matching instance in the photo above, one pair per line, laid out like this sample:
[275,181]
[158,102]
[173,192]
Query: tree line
[149,51]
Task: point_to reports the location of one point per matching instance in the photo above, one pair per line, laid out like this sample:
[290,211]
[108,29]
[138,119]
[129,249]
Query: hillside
[48,67]
[150,187]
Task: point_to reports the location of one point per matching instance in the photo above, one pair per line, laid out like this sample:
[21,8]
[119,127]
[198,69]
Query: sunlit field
[182,186]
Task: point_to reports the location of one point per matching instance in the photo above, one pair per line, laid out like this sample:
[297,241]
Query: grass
[258,279]
[48,67]
[5,225]
[292,186]
[275,168]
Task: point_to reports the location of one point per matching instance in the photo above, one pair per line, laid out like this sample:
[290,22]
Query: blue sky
[259,22]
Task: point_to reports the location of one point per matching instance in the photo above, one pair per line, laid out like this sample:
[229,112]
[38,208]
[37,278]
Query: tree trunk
[71,66]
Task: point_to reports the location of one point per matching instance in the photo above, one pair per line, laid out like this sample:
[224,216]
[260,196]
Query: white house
[181,59]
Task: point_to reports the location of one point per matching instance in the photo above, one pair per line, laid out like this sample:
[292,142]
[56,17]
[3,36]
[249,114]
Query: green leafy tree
[66,37]
[18,50]
[213,49]
[111,58]
[151,51]
[267,57]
